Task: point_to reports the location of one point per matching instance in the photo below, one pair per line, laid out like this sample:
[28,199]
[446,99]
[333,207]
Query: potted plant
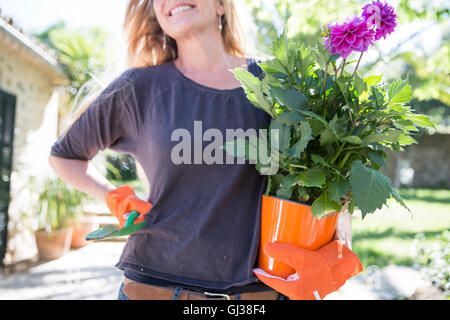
[58,206]
[82,226]
[328,134]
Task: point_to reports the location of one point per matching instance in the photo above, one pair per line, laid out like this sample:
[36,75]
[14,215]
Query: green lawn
[387,236]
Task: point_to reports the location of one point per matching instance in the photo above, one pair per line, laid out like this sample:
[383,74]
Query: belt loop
[177,293]
[223,295]
[238,296]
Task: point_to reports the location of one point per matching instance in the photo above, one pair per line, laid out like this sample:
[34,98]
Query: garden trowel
[110,231]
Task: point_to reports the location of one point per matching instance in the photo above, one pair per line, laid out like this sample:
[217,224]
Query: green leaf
[351,206]
[421,120]
[395,87]
[318,117]
[241,148]
[373,80]
[290,117]
[405,140]
[405,125]
[319,160]
[275,182]
[377,96]
[370,188]
[399,92]
[283,137]
[377,158]
[360,85]
[305,137]
[247,79]
[272,66]
[322,206]
[338,188]
[280,48]
[343,86]
[291,98]
[353,140]
[338,125]
[390,136]
[398,198]
[326,137]
[269,185]
[253,89]
[322,55]
[303,193]
[314,177]
[287,186]
[305,61]
[316,126]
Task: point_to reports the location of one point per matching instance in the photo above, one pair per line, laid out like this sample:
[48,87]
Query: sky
[37,15]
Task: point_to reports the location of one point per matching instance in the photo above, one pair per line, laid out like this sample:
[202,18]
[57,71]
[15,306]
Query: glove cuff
[114,197]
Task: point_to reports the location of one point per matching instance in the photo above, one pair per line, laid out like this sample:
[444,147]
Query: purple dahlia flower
[382,16]
[352,35]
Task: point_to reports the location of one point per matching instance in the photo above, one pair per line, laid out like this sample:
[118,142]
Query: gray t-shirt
[204,226]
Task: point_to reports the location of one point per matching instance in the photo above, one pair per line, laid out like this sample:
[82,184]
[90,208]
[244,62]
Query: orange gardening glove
[318,272]
[123,200]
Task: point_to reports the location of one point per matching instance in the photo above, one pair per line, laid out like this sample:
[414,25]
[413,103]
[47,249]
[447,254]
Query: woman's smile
[180,9]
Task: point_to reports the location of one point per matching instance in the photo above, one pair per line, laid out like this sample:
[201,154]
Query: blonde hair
[145,39]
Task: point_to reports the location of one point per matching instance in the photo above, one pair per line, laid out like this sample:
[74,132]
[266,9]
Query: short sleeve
[110,121]
[259,72]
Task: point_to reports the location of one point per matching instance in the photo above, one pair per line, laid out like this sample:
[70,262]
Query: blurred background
[52,53]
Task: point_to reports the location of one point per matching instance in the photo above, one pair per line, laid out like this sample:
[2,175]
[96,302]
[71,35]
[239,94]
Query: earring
[164,40]
[220,23]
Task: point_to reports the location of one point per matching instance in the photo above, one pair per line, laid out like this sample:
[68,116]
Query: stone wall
[422,165]
[37,101]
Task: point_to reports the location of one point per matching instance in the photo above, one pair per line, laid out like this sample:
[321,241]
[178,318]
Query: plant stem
[325,81]
[336,72]
[338,153]
[296,166]
[344,160]
[352,148]
[357,65]
[343,67]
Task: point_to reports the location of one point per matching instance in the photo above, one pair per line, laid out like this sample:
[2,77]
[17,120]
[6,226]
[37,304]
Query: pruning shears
[111,231]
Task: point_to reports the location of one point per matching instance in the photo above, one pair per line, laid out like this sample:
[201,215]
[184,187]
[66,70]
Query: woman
[202,236]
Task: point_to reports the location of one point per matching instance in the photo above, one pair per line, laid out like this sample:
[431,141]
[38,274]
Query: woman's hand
[122,200]
[344,227]
[317,273]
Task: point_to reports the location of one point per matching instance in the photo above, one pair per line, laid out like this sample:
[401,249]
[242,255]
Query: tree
[82,52]
[428,72]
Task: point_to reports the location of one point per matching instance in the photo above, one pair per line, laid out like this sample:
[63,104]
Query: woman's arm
[82,175]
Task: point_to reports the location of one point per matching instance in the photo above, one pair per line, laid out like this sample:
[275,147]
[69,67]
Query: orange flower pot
[293,223]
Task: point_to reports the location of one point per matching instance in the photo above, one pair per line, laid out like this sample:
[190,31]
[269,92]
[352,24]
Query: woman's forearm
[83,176]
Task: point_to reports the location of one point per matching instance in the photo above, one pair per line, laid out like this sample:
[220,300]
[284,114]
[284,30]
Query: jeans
[122,295]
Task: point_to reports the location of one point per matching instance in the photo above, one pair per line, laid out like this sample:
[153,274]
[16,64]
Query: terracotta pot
[81,229]
[53,245]
[293,223]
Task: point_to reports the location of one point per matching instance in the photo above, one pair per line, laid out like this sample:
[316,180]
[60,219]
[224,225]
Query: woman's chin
[183,29]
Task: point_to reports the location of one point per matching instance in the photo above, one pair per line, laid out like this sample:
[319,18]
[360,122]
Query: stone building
[422,165]
[31,81]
